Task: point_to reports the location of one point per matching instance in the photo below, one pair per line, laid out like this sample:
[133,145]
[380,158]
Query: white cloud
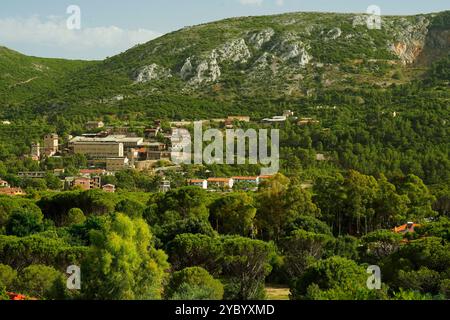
[251,2]
[259,2]
[52,32]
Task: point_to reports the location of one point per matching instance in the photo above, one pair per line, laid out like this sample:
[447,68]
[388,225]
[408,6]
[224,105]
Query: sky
[108,27]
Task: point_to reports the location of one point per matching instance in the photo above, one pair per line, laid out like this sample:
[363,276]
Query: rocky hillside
[288,54]
[282,56]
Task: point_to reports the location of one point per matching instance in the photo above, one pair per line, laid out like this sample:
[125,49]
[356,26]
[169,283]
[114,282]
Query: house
[12,192]
[198,183]
[225,183]
[93,125]
[406,228]
[90,172]
[275,119]
[4,184]
[82,183]
[109,188]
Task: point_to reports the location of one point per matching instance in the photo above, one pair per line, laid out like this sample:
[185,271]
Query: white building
[198,183]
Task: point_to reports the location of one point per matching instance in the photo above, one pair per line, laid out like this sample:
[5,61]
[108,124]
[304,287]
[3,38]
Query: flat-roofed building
[112,146]
[32,174]
[201,183]
[116,164]
[90,172]
[223,183]
[98,149]
[110,188]
[51,144]
[12,192]
[82,183]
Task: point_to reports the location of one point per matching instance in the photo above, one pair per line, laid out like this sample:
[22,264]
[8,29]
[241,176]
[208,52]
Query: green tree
[380,244]
[420,197]
[7,276]
[233,214]
[24,222]
[246,265]
[335,278]
[193,284]
[131,208]
[188,250]
[122,263]
[75,216]
[42,282]
[301,249]
[280,202]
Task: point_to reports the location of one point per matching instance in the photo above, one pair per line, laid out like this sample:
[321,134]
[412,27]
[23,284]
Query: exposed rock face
[259,39]
[409,38]
[334,33]
[290,50]
[235,51]
[360,20]
[151,72]
[197,71]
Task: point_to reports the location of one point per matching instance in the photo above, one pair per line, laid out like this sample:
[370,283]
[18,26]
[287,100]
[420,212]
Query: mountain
[23,77]
[231,62]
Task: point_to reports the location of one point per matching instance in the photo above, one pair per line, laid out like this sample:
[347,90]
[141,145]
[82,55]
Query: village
[109,150]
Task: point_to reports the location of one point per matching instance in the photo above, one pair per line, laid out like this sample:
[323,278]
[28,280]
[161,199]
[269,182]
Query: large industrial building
[113,146]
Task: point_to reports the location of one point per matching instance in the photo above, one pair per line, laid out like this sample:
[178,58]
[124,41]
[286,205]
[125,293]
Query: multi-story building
[12,191]
[36,150]
[32,174]
[98,149]
[113,146]
[51,144]
[198,183]
[84,183]
[116,164]
[222,183]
